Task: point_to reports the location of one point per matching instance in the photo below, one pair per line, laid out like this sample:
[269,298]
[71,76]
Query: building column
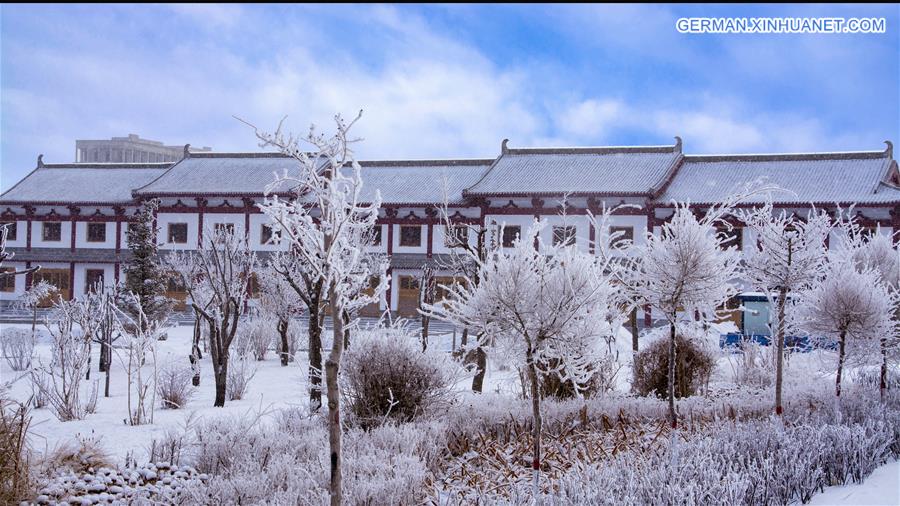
[71,280]
[29,277]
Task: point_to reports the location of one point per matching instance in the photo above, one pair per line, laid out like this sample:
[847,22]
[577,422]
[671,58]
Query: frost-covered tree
[549,308]
[327,222]
[144,274]
[469,244]
[427,292]
[851,305]
[32,298]
[878,252]
[216,278]
[138,347]
[278,298]
[297,271]
[684,272]
[789,256]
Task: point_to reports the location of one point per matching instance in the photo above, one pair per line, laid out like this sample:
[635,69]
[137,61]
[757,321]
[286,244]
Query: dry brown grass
[16,483]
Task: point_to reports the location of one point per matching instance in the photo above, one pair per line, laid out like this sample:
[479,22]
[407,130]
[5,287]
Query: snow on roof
[555,171]
[406,181]
[421,182]
[812,177]
[80,183]
[220,174]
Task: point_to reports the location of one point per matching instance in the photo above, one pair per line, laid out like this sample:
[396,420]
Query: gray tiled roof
[220,174]
[83,183]
[818,177]
[624,170]
[421,182]
[407,181]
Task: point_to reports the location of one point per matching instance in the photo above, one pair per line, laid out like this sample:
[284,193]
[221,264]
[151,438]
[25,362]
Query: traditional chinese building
[72,218]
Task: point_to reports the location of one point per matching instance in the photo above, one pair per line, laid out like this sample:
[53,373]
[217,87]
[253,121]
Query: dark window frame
[171,235]
[95,227]
[510,234]
[405,241]
[47,226]
[12,230]
[565,234]
[627,236]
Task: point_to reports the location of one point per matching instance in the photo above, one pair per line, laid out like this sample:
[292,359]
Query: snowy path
[882,487]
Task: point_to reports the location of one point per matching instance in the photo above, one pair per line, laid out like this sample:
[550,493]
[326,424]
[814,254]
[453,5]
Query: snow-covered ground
[882,487]
[274,387]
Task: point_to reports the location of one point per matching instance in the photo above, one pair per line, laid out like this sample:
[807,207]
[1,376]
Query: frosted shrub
[17,345]
[693,366]
[60,381]
[240,372]
[752,365]
[255,338]
[388,376]
[173,384]
[286,462]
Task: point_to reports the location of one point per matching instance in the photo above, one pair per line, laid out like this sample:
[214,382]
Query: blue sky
[440,81]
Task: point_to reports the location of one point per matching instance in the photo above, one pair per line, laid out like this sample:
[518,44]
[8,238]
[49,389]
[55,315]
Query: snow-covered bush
[388,377]
[285,462]
[61,381]
[255,337]
[173,384]
[240,371]
[693,366]
[751,364]
[17,345]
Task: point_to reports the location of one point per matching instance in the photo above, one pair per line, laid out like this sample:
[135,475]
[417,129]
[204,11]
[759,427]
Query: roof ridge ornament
[187,151]
[503,149]
[40,161]
[678,144]
[889,150]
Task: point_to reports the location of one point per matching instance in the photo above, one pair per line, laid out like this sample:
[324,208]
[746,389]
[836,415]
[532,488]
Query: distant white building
[72,218]
[131,149]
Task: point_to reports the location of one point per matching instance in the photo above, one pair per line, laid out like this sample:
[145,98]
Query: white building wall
[21,235]
[65,235]
[19,280]
[81,236]
[81,287]
[164,219]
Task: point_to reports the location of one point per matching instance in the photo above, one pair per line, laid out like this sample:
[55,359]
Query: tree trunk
[481,368]
[779,352]
[221,372]
[672,417]
[332,370]
[314,332]
[283,331]
[345,325]
[536,428]
[634,331]
[882,384]
[196,355]
[840,369]
[425,321]
[219,356]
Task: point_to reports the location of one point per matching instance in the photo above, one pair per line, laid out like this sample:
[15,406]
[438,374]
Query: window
[409,283]
[867,233]
[10,231]
[93,280]
[223,228]
[411,236]
[51,231]
[564,235]
[268,235]
[178,233]
[376,235]
[731,237]
[510,233]
[174,285]
[7,283]
[623,233]
[456,235]
[96,232]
